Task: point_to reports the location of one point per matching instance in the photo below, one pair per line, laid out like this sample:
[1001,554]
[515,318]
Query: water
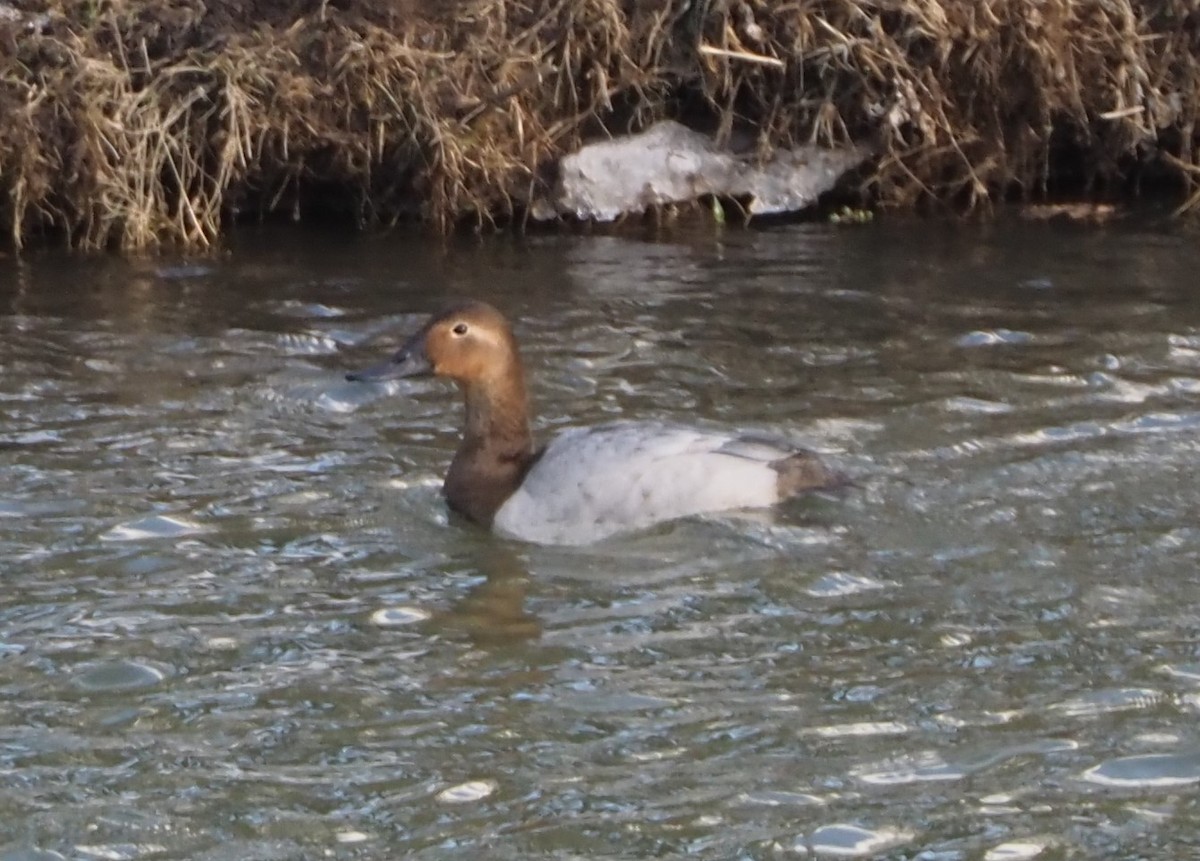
[236,622]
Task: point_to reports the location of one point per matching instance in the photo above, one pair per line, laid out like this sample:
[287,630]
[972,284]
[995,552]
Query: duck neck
[496,449]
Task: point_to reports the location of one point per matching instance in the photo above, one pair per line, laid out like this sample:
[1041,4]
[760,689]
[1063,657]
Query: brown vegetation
[135,122]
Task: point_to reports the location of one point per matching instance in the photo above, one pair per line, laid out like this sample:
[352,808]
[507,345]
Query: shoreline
[135,125]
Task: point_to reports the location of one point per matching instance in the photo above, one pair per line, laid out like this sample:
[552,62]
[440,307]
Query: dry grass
[132,123]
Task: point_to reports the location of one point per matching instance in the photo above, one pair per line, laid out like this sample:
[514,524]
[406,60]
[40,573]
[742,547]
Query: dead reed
[130,123]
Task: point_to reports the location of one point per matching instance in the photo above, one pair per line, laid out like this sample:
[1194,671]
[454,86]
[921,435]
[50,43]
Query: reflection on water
[237,622]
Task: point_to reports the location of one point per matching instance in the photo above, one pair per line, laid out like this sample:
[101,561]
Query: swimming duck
[587,483]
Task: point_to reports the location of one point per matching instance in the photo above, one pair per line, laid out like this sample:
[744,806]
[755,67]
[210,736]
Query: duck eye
[460,329]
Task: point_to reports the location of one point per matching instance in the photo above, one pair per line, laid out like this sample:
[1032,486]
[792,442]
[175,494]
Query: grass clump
[130,123]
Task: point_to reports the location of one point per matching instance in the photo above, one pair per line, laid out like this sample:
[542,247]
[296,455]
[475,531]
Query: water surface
[236,622]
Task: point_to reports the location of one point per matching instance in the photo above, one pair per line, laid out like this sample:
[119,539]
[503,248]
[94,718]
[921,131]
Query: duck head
[469,343]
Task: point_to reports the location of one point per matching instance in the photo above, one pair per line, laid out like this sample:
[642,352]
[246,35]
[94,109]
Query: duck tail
[803,472]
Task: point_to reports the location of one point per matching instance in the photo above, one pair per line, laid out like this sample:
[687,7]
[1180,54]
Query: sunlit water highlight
[236,621]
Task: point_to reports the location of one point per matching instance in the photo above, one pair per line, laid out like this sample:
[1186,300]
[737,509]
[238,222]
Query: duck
[587,483]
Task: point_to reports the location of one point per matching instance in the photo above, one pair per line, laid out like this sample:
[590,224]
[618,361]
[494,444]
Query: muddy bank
[128,124]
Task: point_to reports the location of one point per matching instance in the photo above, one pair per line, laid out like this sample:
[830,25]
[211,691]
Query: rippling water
[235,621]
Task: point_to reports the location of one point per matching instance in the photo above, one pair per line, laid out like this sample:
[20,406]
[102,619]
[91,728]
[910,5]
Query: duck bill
[408,361]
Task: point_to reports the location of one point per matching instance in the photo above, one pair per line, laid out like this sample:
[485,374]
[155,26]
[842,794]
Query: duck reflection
[493,611]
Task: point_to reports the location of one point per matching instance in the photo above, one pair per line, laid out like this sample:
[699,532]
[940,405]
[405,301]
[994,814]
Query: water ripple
[994,337]
[117,676]
[475,790]
[1016,850]
[1147,771]
[157,526]
[852,841]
